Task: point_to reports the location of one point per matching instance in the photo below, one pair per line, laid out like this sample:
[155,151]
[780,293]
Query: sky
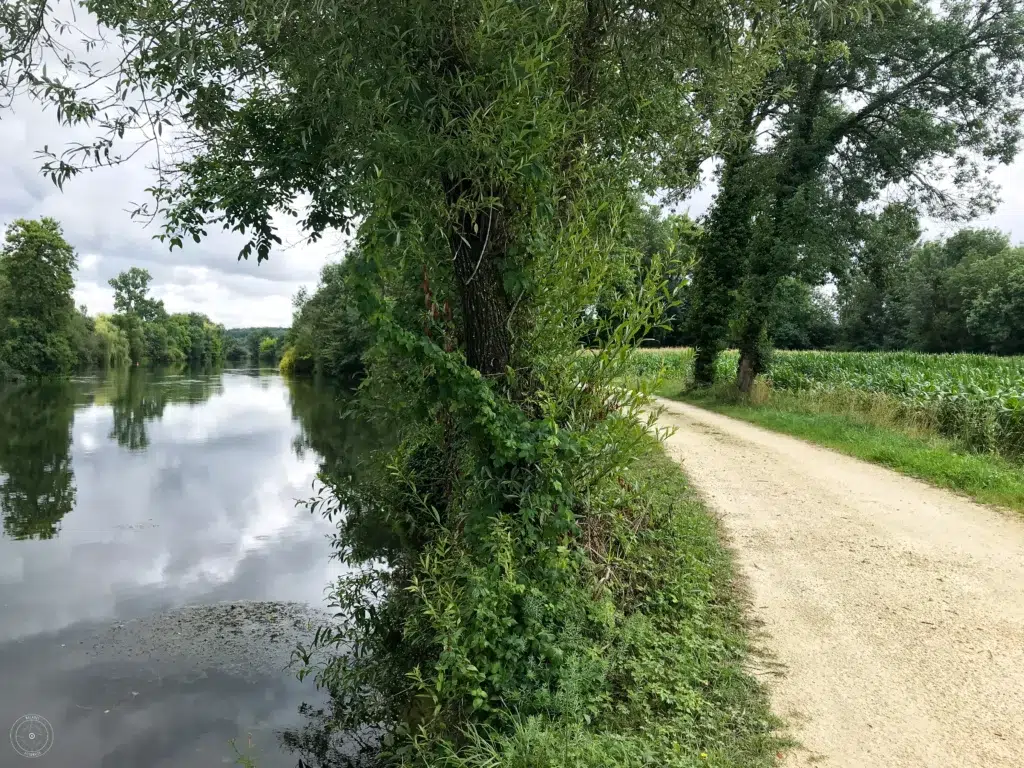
[94,212]
[207,277]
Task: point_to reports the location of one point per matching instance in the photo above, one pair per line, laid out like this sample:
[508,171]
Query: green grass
[976,401]
[872,428]
[679,690]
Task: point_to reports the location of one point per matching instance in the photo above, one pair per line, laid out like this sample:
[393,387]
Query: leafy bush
[329,334]
[632,655]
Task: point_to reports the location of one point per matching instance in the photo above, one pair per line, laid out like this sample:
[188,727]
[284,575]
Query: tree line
[43,333]
[889,289]
[263,345]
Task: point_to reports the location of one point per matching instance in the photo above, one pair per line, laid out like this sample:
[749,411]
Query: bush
[635,659]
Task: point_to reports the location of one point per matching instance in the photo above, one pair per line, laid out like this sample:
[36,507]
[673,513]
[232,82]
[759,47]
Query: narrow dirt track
[892,612]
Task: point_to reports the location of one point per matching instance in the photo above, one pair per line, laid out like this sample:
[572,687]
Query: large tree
[37,311]
[131,294]
[919,106]
[487,153]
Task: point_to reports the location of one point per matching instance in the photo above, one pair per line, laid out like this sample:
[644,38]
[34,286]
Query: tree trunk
[476,242]
[721,258]
[773,256]
[745,374]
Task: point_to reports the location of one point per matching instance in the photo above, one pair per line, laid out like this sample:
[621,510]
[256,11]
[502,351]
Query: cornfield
[977,400]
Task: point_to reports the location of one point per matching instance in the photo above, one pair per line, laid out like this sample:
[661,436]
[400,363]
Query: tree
[268,350]
[37,312]
[488,153]
[115,351]
[131,294]
[956,293]
[873,296]
[234,350]
[996,314]
[252,346]
[135,308]
[872,107]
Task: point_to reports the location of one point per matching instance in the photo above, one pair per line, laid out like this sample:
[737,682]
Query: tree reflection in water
[38,487]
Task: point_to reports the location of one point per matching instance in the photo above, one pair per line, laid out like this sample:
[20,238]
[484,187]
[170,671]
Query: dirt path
[894,610]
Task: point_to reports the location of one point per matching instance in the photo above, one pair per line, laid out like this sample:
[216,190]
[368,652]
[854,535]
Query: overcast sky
[207,277]
[93,209]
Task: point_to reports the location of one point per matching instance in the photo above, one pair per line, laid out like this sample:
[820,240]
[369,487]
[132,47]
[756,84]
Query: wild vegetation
[528,583]
[953,420]
[329,335]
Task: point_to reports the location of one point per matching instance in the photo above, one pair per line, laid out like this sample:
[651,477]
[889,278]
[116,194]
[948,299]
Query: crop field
[977,400]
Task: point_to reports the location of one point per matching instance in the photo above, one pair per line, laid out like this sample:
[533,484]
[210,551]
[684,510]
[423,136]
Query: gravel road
[890,613]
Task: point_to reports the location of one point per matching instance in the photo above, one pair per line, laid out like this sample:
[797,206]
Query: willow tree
[918,105]
[484,152]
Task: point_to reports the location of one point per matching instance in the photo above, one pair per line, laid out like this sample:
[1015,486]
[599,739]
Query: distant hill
[259,345]
[243,333]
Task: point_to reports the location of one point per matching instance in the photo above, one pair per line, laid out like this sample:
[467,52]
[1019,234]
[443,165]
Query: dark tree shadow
[38,483]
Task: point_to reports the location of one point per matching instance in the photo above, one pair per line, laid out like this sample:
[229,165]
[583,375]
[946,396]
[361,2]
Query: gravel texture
[891,612]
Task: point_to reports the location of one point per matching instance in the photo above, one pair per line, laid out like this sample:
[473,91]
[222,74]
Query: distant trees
[157,338]
[242,345]
[964,293]
[234,349]
[268,350]
[43,334]
[888,290]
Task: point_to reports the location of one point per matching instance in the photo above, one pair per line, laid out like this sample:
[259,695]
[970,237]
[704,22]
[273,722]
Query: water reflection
[38,489]
[140,396]
[126,499]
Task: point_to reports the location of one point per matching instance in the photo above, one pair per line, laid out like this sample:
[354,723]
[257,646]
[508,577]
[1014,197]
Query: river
[155,570]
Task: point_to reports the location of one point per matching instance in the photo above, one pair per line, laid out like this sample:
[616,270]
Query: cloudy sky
[93,210]
[207,277]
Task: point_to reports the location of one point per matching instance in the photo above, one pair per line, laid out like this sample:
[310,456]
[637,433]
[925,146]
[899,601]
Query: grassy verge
[873,428]
[678,688]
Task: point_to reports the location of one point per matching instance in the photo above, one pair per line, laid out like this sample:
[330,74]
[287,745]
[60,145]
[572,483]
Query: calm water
[126,502]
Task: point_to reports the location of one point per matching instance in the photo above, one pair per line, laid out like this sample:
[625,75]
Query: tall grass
[975,400]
